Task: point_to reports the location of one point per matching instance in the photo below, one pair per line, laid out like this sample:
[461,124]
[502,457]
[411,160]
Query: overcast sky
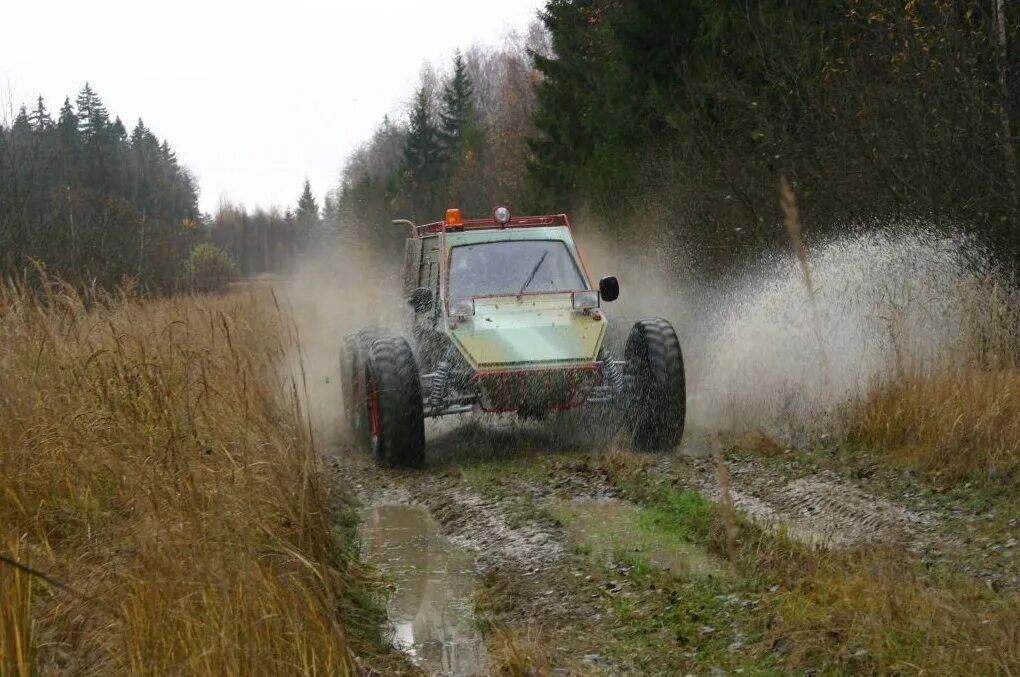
[252,96]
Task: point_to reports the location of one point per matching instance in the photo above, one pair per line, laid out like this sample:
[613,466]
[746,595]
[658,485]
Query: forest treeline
[682,116]
[266,239]
[91,202]
[85,200]
[665,116]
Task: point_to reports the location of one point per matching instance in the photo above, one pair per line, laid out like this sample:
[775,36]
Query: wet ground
[431,610]
[541,538]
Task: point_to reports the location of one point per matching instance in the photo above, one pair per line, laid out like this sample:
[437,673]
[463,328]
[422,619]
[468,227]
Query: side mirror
[420,299]
[609,288]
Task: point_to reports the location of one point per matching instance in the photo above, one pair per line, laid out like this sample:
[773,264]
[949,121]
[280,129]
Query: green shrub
[209,268]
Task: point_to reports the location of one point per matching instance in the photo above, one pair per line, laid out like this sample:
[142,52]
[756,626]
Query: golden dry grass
[873,613]
[960,414]
[959,422]
[153,460]
[519,654]
[875,610]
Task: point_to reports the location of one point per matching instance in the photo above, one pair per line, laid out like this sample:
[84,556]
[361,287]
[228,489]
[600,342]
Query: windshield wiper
[534,271]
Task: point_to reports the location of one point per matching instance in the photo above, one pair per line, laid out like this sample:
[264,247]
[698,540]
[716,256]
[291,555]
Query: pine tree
[458,109]
[118,131]
[570,115]
[137,139]
[307,207]
[168,154]
[93,117]
[143,142]
[423,157]
[22,121]
[68,141]
[40,117]
[67,125]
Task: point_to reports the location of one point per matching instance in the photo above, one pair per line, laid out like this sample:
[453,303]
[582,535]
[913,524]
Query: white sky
[252,96]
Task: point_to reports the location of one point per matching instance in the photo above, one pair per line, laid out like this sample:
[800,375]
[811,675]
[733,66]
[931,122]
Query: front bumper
[535,389]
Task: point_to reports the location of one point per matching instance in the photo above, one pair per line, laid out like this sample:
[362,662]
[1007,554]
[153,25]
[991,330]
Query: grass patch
[686,515]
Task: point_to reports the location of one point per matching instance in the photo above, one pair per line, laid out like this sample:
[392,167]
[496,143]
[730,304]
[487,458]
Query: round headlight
[502,215]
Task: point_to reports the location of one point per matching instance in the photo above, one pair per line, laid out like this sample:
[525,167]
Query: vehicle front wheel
[393,404]
[657,401]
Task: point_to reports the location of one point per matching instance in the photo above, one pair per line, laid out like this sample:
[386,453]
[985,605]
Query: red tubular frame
[574,398]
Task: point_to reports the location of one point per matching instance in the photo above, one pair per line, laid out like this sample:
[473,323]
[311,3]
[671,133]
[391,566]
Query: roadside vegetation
[161,507]
[762,602]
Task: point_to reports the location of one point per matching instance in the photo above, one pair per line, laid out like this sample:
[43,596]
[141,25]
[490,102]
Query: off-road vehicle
[504,318]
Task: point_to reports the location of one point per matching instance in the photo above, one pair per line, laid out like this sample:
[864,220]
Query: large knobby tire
[658,393]
[394,404]
[348,376]
[353,374]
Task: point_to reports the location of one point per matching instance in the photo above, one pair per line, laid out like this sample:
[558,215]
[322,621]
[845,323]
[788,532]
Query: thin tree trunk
[1007,142]
[141,249]
[74,241]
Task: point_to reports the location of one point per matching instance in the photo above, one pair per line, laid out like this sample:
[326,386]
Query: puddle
[431,612]
[608,526]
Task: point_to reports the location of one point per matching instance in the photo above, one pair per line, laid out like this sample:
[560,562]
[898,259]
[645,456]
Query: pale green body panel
[518,332]
[539,330]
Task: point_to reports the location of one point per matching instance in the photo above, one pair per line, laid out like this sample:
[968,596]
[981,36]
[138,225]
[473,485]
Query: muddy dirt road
[514,552]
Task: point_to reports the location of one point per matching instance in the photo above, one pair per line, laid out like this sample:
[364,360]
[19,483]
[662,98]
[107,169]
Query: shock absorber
[440,382]
[612,372]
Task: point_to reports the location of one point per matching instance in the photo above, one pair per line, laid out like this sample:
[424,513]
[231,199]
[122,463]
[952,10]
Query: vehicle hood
[532,330]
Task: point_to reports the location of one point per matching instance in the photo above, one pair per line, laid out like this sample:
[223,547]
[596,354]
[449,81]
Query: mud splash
[431,611]
[900,301]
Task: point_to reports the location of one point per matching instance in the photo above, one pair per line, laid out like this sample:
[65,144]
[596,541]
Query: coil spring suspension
[437,393]
[612,371]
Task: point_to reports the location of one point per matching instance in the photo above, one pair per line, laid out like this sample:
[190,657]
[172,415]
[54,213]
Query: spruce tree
[458,109]
[22,122]
[86,200]
[423,157]
[40,117]
[578,90]
[307,207]
[118,131]
[67,125]
[168,154]
[92,114]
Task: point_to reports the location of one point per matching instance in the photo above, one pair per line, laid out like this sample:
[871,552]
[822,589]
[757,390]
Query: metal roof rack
[489,224]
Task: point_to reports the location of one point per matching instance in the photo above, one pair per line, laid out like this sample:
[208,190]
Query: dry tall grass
[153,460]
[959,415]
[874,612]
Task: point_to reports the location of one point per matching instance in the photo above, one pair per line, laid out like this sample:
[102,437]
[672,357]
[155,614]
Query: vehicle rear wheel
[348,369]
[657,403]
[393,404]
[353,366]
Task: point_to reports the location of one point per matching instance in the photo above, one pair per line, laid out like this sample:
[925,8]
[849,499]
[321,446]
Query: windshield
[514,267]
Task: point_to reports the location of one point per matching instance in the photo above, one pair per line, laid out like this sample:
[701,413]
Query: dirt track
[494,494]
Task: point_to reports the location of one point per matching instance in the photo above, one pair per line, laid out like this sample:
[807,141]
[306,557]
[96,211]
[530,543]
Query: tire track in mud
[820,511]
